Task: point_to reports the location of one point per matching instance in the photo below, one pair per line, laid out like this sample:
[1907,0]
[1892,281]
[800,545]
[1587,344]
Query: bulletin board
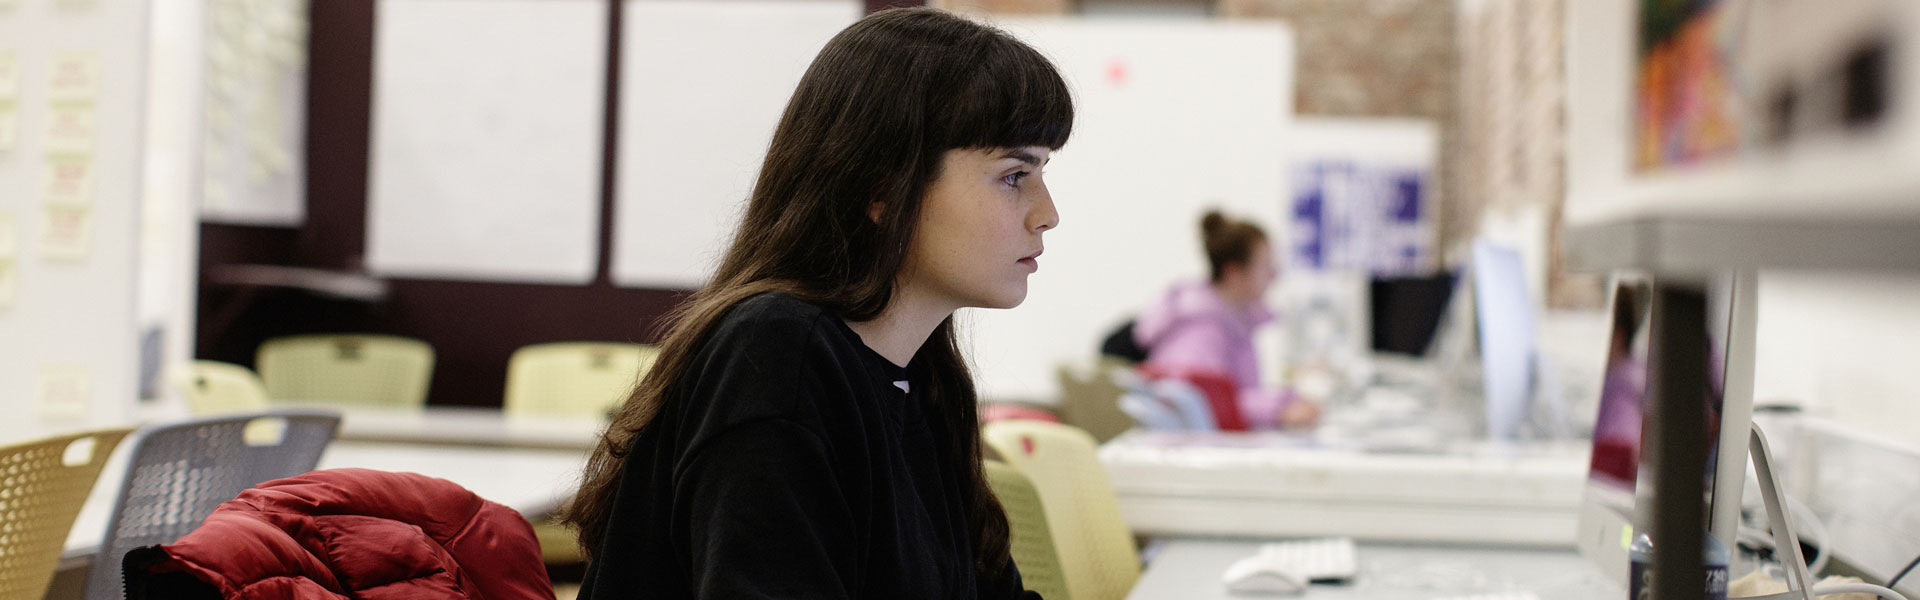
[702,86]
[486,139]
[1173,117]
[71,100]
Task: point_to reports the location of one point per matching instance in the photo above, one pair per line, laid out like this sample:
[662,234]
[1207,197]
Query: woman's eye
[1015,178]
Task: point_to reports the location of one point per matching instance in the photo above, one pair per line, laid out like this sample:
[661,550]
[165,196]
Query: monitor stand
[1786,544]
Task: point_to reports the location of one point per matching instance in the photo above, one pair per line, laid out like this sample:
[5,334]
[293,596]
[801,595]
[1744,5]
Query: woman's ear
[874,210]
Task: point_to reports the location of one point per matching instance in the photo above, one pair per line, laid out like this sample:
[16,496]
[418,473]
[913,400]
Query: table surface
[465,425]
[533,481]
[1190,569]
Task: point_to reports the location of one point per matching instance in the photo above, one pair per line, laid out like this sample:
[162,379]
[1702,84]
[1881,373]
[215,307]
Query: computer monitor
[1405,311]
[1504,313]
[1486,350]
[1618,498]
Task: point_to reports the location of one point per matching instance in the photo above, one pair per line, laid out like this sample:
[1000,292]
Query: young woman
[1206,328]
[810,428]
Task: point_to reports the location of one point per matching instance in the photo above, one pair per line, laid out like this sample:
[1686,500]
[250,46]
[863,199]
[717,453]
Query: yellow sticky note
[9,236]
[70,130]
[69,181]
[9,126]
[63,391]
[66,233]
[75,77]
[9,282]
[9,76]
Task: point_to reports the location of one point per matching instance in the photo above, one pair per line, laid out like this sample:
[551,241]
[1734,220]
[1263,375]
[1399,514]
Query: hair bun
[1212,223]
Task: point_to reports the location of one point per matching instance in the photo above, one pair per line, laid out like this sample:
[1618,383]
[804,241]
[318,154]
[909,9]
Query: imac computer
[1618,495]
[1508,360]
[1487,344]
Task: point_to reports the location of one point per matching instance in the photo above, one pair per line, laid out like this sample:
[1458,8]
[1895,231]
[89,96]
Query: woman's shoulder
[770,356]
[771,310]
[770,331]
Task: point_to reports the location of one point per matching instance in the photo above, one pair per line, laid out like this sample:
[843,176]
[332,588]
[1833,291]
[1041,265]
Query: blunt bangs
[1011,96]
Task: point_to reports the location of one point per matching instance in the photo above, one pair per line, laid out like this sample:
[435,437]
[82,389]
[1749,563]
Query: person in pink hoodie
[1205,328]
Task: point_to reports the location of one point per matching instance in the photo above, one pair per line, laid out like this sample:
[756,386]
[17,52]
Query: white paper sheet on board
[69,181]
[9,77]
[253,136]
[702,86]
[487,128]
[66,233]
[73,77]
[62,391]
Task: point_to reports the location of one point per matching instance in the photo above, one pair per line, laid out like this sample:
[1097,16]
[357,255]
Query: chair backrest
[1091,400]
[1033,548]
[378,370]
[1220,397]
[43,483]
[1096,548]
[213,387]
[574,378]
[177,473]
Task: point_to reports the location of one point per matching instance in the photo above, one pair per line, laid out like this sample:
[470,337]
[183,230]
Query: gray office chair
[177,473]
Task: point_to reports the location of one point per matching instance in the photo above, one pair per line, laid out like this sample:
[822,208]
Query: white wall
[1846,346]
[169,228]
[1173,117]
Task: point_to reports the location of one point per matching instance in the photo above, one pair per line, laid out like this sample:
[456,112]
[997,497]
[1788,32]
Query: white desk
[1276,485]
[532,481]
[464,425]
[1190,569]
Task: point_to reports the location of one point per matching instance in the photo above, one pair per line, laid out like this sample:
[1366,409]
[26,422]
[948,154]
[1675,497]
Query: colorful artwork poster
[1355,216]
[1688,101]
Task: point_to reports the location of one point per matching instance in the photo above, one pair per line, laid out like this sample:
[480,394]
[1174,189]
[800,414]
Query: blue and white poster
[1362,197]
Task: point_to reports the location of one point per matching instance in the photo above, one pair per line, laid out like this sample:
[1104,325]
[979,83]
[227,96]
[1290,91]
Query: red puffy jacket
[350,533]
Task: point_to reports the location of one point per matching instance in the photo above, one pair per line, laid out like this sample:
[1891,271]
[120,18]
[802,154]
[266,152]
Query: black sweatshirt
[789,464]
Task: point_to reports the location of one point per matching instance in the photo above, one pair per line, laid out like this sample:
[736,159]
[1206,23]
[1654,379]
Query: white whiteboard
[487,126]
[1165,128]
[703,84]
[67,332]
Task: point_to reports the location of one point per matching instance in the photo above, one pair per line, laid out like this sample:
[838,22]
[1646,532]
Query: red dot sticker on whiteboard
[1117,72]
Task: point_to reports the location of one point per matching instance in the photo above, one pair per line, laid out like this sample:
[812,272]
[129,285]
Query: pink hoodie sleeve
[1261,407]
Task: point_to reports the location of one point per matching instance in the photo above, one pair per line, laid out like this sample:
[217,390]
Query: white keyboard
[1315,559]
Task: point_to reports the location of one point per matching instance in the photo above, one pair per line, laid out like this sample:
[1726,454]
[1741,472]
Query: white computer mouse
[1261,574]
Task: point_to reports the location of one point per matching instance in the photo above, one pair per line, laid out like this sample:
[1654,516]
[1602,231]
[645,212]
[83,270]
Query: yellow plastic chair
[368,370]
[1033,548]
[574,378]
[45,482]
[1096,548]
[213,387]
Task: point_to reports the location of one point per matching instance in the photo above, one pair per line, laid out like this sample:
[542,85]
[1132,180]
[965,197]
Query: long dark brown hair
[868,126]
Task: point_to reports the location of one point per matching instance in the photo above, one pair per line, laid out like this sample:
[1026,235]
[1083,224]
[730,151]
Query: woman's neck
[1234,295]
[902,327]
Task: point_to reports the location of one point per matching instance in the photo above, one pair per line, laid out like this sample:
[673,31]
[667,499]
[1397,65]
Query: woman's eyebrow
[1025,157]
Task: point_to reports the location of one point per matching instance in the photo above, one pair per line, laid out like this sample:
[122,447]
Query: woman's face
[1261,269]
[980,224]
[1248,281]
